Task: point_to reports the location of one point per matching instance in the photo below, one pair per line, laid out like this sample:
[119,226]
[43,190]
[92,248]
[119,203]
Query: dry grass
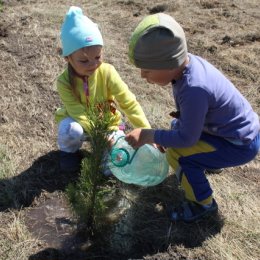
[224,32]
[15,241]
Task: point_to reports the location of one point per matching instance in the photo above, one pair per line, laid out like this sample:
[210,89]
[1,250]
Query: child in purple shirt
[215,126]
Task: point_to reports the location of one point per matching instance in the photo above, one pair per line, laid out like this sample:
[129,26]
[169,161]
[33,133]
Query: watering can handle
[133,153]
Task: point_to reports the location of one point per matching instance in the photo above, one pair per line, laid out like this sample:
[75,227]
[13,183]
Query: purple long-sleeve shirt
[208,102]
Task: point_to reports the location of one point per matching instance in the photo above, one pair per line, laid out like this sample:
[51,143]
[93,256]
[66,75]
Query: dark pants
[210,152]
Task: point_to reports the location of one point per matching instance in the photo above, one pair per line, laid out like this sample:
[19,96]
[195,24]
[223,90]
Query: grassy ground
[224,32]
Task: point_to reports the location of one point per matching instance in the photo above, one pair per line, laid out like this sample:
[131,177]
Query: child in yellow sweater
[88,77]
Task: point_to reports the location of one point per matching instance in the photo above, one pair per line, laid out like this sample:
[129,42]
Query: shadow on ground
[144,230]
[43,175]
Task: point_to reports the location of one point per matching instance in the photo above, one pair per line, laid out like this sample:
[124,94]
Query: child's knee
[70,128]
[76,131]
[70,135]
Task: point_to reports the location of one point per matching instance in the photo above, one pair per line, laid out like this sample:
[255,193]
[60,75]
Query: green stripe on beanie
[145,24]
[158,42]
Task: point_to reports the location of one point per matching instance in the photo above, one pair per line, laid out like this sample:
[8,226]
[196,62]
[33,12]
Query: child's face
[86,60]
[160,77]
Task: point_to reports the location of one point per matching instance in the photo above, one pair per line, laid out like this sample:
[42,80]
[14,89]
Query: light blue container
[145,166]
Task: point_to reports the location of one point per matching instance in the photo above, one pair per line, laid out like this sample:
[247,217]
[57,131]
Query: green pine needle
[88,195]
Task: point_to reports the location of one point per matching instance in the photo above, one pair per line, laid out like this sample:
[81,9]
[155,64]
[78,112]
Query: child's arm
[73,107]
[192,116]
[126,100]
[139,137]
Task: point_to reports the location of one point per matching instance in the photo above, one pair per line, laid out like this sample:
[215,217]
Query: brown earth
[224,32]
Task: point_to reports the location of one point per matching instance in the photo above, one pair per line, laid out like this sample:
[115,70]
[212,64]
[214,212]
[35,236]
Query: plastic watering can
[145,166]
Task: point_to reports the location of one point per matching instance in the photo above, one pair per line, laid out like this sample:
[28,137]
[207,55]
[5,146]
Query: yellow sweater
[104,84]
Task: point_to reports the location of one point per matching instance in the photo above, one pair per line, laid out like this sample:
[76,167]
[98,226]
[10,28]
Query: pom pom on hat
[78,31]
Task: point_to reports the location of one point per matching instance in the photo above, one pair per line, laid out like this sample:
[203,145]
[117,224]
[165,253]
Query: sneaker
[190,211]
[107,172]
[70,162]
[113,137]
[105,168]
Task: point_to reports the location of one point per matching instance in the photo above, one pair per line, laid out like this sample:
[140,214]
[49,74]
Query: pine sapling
[89,195]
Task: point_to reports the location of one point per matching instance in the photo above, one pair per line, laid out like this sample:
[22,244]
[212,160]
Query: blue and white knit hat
[78,31]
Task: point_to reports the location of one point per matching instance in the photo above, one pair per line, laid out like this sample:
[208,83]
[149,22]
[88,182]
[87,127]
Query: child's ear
[66,59]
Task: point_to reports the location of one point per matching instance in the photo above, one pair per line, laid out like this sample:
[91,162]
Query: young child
[88,77]
[215,127]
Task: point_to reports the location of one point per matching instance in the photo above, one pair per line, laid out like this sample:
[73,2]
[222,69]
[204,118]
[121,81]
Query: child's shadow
[43,175]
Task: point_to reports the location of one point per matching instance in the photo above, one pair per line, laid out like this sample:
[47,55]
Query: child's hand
[161,148]
[139,137]
[110,140]
[113,137]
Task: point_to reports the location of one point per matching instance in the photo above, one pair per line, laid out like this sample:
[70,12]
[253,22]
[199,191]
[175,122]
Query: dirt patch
[123,237]
[51,221]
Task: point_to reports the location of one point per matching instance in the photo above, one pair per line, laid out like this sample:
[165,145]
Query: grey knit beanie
[158,42]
